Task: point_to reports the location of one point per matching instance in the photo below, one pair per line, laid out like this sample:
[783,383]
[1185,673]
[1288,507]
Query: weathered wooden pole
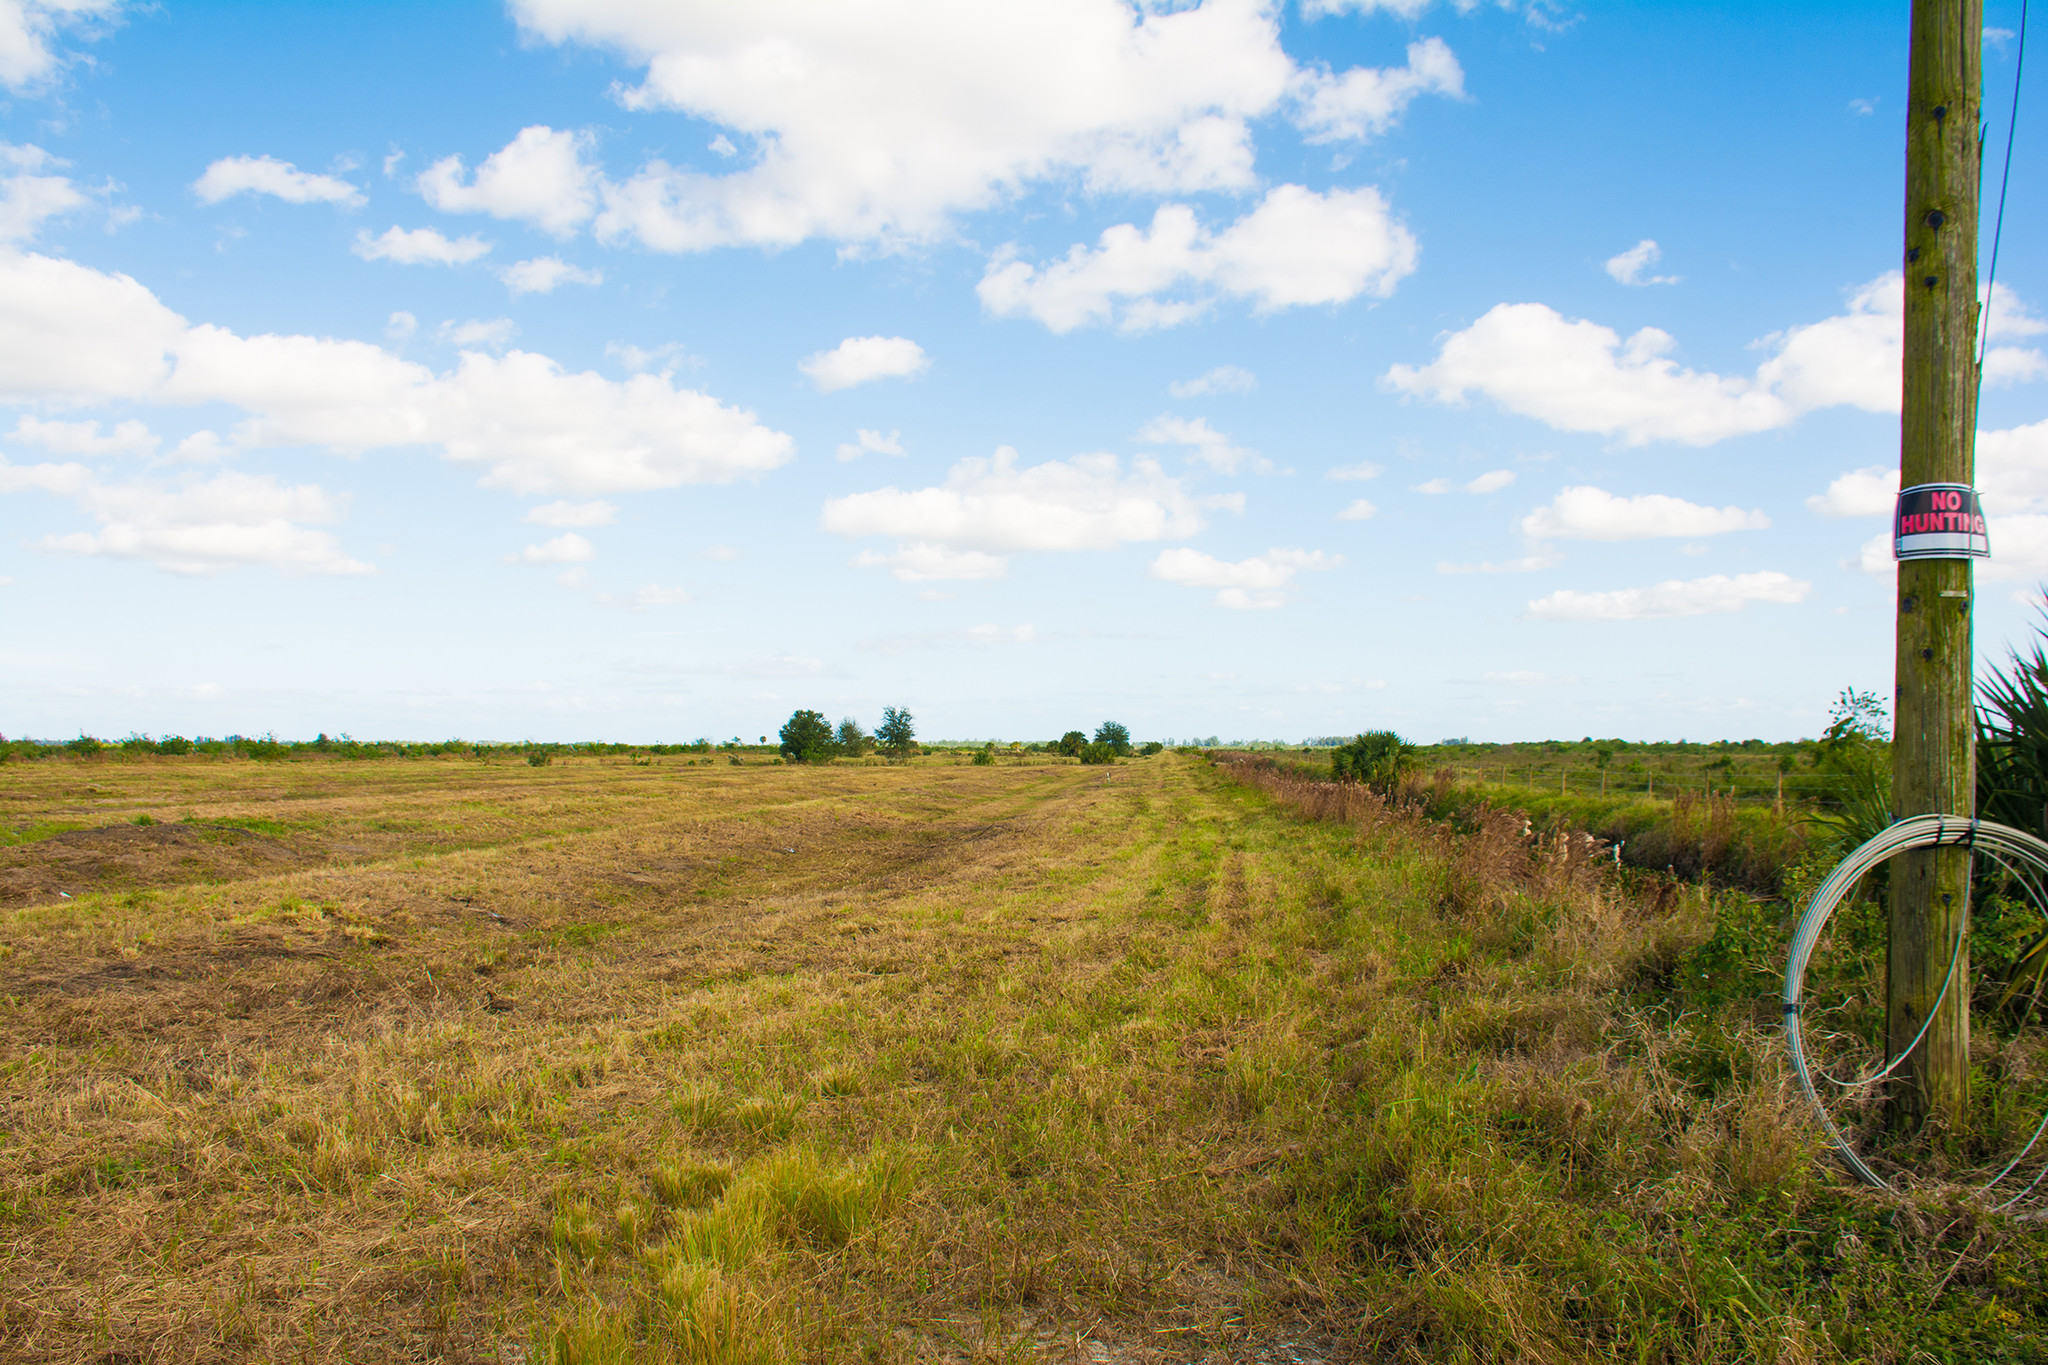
[1933,752]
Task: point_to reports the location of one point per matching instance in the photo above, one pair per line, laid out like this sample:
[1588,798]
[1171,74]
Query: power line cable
[2019,67]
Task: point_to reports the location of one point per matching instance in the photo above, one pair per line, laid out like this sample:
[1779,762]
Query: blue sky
[617,369]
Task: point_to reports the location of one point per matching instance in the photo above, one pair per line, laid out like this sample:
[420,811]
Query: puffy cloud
[867,442]
[1258,582]
[1208,445]
[28,197]
[1851,359]
[1364,469]
[1222,379]
[1628,267]
[419,246]
[1364,102]
[994,507]
[1859,493]
[1296,248]
[2012,469]
[2011,365]
[27,28]
[1490,482]
[879,125]
[567,548]
[70,333]
[541,274]
[580,514]
[538,177]
[857,360]
[1581,376]
[1714,594]
[233,175]
[201,526]
[1587,513]
[84,438]
[1360,510]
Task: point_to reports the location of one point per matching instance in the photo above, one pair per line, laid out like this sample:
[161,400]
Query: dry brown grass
[625,1062]
[603,1062]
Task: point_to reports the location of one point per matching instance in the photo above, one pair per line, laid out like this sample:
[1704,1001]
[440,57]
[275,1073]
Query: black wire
[2005,178]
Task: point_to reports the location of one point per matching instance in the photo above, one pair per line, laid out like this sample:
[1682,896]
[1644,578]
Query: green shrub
[807,738]
[1377,758]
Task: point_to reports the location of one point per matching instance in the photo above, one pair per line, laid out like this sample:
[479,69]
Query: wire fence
[1743,788]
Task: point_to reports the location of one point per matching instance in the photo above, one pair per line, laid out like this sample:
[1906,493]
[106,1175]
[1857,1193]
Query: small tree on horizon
[1115,736]
[807,738]
[1072,743]
[853,741]
[895,734]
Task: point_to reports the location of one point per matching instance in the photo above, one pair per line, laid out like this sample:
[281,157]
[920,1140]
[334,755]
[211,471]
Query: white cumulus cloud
[880,124]
[1859,493]
[197,526]
[539,177]
[233,175]
[541,274]
[1258,582]
[28,29]
[1296,248]
[1364,469]
[567,548]
[29,196]
[994,507]
[1222,379]
[1628,267]
[1587,513]
[418,246]
[1364,102]
[1206,444]
[858,360]
[491,334]
[84,438]
[71,334]
[1581,376]
[1360,510]
[1714,594]
[867,442]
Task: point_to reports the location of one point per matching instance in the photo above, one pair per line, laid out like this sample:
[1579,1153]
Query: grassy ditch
[1576,1138]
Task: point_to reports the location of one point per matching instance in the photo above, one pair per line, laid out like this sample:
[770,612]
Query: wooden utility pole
[1933,752]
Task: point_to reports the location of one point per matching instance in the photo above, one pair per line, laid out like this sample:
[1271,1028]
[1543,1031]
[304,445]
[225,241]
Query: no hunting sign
[1939,521]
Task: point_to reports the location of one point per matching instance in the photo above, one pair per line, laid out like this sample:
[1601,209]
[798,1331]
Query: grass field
[609,1060]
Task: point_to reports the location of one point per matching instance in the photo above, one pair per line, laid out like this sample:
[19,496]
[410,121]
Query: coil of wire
[2019,853]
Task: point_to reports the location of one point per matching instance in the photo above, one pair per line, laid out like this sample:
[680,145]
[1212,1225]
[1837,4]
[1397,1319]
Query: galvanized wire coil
[2019,853]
